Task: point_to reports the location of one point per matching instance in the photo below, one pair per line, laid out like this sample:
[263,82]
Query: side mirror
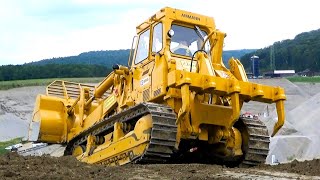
[115,67]
[170,33]
[118,69]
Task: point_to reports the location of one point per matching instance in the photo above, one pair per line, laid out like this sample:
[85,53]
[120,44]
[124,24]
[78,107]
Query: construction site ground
[299,139]
[14,166]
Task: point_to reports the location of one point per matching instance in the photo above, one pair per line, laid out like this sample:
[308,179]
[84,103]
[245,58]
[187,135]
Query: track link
[163,134]
[258,142]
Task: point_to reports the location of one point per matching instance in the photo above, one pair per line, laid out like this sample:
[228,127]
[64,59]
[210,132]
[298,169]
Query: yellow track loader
[175,102]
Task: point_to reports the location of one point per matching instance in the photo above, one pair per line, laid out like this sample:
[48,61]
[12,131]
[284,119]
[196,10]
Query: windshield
[186,41]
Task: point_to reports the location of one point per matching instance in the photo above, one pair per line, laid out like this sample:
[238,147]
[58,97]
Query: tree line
[87,64]
[22,72]
[103,57]
[300,53]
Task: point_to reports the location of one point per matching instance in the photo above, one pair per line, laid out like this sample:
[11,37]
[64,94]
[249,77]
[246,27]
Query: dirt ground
[310,168]
[13,166]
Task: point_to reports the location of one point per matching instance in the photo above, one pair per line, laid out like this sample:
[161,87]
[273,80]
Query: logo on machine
[186,64]
[127,155]
[190,17]
[144,81]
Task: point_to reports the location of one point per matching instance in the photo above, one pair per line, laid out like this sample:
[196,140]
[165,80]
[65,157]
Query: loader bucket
[50,115]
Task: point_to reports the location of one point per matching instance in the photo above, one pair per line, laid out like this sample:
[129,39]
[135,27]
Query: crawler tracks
[163,133]
[257,146]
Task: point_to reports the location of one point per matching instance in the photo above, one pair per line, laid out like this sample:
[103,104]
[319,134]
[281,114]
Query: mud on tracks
[13,166]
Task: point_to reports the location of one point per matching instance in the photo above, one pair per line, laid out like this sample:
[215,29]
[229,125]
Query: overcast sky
[31,30]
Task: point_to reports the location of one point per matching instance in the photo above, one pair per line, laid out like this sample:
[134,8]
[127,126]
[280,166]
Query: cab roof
[178,15]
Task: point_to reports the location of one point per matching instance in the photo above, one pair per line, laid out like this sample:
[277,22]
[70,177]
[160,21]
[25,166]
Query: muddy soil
[310,168]
[13,166]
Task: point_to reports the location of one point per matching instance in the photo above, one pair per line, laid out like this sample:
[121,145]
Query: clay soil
[13,166]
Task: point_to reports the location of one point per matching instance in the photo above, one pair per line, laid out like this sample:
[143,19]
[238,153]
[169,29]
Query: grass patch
[5,144]
[291,158]
[5,85]
[315,79]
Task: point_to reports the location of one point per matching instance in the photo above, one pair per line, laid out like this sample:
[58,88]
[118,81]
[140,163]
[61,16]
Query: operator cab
[184,41]
[179,32]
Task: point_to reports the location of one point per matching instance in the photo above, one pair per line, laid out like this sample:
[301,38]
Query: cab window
[157,38]
[186,41]
[143,47]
